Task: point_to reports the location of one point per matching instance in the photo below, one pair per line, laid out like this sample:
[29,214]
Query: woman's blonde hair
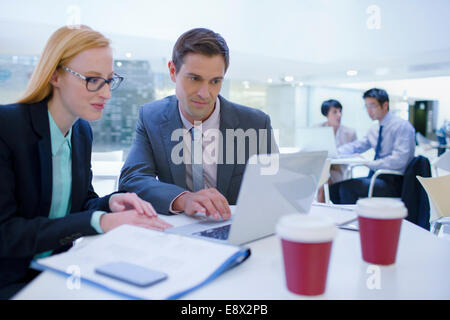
[64,44]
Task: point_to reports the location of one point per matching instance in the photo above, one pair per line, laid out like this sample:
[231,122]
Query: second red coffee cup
[306,243]
[380,220]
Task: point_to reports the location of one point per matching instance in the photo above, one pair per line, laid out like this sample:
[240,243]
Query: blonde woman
[46,196]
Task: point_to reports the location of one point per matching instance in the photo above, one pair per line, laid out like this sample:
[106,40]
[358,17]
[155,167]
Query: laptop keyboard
[220,233]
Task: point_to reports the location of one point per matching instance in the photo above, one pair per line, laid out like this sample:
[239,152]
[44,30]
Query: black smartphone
[131,273]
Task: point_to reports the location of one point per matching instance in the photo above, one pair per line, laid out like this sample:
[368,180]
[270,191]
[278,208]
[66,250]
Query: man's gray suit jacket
[149,170]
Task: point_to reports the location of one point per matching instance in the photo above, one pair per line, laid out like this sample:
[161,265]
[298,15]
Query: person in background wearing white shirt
[332,109]
[394,142]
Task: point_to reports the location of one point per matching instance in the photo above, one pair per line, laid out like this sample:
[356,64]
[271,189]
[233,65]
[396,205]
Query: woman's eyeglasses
[96,83]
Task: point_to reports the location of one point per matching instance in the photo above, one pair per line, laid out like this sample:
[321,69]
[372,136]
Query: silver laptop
[316,139]
[273,186]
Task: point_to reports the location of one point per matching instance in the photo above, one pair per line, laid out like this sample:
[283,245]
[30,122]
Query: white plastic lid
[304,228]
[381,208]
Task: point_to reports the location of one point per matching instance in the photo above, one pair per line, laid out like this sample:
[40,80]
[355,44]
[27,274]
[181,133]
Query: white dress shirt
[210,146]
[397,146]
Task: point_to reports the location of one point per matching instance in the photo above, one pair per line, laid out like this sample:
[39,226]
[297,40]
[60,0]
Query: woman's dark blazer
[26,189]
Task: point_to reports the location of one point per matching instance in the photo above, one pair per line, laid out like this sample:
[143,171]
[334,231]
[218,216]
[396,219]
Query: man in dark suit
[190,149]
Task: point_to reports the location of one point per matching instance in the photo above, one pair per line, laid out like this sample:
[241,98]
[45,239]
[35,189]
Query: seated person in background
[209,178]
[332,109]
[393,140]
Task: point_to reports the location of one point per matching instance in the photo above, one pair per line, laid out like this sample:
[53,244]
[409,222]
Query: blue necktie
[197,159]
[377,149]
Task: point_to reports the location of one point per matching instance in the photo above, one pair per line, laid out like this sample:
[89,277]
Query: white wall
[305,30]
[316,38]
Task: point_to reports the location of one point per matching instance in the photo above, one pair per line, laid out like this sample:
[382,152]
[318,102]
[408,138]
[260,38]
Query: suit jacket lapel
[172,122]
[228,120]
[79,162]
[40,123]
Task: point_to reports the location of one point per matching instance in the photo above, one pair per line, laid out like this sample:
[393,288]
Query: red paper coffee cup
[306,243]
[380,221]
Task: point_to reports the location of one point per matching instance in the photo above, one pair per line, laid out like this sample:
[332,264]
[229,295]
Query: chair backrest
[437,189]
[107,156]
[442,162]
[413,194]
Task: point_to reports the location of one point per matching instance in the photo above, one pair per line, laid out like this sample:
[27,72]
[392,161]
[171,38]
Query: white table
[421,272]
[350,161]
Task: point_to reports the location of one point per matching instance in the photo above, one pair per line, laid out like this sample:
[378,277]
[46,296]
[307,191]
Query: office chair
[412,193]
[378,173]
[437,191]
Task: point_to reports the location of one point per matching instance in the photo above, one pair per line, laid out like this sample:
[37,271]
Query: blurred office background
[287,56]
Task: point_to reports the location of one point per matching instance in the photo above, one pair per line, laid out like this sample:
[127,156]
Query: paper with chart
[187,261]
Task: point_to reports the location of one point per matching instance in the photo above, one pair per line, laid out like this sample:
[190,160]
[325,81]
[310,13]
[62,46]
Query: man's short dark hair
[200,40]
[379,94]
[326,106]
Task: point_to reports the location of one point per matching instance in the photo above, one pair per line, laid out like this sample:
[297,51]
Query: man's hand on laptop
[209,201]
